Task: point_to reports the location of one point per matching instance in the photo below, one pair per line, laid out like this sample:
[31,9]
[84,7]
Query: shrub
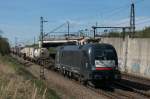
[4,46]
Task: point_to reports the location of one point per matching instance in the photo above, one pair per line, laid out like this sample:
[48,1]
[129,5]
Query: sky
[20,19]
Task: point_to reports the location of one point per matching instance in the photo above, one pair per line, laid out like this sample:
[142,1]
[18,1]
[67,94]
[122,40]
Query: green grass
[20,70]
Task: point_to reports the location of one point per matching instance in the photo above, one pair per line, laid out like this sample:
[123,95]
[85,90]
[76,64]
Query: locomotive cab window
[104,55]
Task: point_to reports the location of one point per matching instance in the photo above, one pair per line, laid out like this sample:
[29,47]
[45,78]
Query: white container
[28,51]
[41,53]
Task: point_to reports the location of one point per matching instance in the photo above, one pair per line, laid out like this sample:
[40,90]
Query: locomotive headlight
[116,68]
[93,68]
[97,76]
[116,76]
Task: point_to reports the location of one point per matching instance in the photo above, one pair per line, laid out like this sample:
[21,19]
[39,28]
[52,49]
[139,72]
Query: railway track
[108,92]
[119,90]
[135,78]
[138,84]
[130,91]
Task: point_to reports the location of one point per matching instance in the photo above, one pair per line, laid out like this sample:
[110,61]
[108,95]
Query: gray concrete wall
[133,54]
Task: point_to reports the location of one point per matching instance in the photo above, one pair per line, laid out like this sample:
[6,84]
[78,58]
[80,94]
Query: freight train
[94,62]
[36,55]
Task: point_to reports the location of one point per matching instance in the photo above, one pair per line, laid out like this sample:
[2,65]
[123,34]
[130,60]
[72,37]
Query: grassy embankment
[17,83]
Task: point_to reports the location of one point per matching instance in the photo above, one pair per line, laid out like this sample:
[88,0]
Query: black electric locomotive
[90,62]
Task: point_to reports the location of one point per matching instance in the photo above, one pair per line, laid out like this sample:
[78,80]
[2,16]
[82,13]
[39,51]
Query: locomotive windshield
[105,58]
[107,54]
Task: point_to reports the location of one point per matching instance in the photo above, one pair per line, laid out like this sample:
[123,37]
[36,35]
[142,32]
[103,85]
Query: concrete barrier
[133,54]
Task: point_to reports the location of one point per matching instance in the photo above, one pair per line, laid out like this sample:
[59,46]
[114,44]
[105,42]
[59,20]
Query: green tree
[4,46]
[145,33]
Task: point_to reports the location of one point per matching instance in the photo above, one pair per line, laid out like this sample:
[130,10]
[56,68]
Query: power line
[143,22]
[56,29]
[117,11]
[138,21]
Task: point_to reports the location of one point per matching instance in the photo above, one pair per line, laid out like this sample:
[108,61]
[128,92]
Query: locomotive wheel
[60,70]
[64,73]
[82,81]
[70,75]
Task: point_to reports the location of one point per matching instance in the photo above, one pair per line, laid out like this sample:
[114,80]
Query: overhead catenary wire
[119,10]
[52,31]
[138,22]
[143,22]
[57,28]
[110,13]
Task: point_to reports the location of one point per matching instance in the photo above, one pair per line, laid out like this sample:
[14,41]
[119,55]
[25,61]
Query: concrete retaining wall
[133,54]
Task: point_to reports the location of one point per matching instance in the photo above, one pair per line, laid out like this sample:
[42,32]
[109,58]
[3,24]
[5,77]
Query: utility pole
[16,45]
[41,31]
[96,26]
[16,41]
[124,33]
[132,32]
[42,76]
[95,30]
[34,41]
[42,21]
[68,28]
[132,18]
